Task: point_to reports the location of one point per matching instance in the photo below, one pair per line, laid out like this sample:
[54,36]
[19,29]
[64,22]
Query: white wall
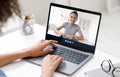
[38,7]
[95,5]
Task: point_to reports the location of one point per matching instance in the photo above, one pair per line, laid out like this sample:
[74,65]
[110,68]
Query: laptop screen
[73,27]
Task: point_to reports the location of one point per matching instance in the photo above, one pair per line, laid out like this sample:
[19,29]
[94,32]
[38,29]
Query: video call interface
[75,25]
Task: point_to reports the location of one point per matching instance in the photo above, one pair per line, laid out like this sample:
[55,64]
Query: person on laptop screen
[73,24]
[50,62]
[70,28]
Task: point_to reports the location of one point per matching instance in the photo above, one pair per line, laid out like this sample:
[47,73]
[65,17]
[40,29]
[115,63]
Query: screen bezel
[78,45]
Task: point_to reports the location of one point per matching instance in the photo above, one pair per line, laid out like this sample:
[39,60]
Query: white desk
[16,41]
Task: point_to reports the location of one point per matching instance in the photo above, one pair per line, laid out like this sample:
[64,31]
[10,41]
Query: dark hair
[75,12]
[7,8]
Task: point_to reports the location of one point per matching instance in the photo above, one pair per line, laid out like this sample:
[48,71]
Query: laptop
[75,52]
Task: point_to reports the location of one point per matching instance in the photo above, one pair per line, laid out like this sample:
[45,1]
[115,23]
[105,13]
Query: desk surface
[16,41]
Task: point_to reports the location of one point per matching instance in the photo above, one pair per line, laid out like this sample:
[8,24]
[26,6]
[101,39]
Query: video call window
[81,27]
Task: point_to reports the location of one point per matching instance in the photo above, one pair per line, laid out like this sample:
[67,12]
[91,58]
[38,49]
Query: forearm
[80,38]
[10,57]
[47,74]
[75,37]
[57,32]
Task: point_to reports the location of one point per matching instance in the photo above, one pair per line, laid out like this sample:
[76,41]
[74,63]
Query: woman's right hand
[49,65]
[38,49]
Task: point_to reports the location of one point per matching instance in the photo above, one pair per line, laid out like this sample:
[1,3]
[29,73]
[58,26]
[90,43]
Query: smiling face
[73,18]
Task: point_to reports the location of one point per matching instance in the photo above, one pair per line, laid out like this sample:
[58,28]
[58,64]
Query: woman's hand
[73,37]
[38,49]
[49,65]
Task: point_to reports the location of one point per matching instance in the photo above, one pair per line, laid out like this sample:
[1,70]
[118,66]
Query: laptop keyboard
[70,55]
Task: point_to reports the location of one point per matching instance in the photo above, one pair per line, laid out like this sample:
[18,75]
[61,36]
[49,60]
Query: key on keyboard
[70,55]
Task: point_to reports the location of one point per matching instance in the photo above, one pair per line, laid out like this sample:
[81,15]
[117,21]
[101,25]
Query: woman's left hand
[49,65]
[38,49]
